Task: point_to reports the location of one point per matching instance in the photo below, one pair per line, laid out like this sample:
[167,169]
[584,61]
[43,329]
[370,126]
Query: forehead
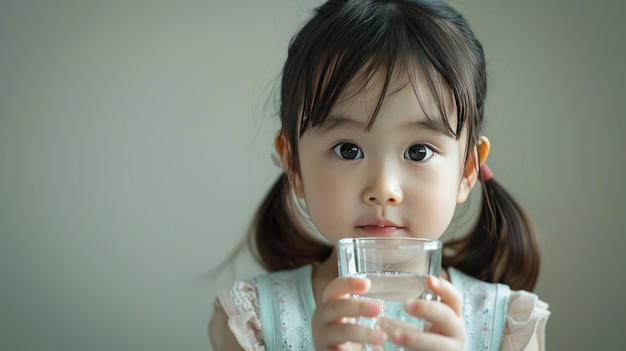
[367,93]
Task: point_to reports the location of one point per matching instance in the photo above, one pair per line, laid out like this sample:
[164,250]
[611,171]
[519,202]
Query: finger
[340,309]
[443,317]
[341,287]
[339,333]
[440,317]
[335,310]
[389,325]
[448,293]
[424,341]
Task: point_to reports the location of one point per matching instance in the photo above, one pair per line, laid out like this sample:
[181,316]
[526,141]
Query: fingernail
[434,282]
[379,336]
[398,337]
[411,305]
[372,310]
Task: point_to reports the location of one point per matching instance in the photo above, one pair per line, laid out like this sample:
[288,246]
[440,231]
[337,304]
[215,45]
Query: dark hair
[433,44]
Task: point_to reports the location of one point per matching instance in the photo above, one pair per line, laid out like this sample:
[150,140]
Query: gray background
[135,145]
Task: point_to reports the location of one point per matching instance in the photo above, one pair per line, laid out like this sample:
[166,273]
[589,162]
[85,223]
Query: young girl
[381,109]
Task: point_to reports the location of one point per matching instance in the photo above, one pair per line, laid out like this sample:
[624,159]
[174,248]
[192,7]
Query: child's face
[400,178]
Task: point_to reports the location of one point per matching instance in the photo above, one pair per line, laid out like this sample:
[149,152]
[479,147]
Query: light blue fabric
[286,306]
[484,311]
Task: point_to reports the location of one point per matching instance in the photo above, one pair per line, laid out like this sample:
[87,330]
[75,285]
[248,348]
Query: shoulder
[484,309]
[519,317]
[236,323]
[291,276]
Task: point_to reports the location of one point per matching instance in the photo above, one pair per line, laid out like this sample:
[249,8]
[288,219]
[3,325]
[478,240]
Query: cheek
[435,206]
[328,203]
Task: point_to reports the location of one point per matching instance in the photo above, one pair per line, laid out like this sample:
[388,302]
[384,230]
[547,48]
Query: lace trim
[527,316]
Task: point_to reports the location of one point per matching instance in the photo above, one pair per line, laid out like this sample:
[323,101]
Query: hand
[444,327]
[331,324]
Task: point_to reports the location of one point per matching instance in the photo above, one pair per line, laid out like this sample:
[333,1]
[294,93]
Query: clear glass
[398,269]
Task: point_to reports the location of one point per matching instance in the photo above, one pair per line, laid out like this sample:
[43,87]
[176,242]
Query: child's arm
[220,334]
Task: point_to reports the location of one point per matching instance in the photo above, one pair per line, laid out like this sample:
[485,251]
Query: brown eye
[348,151]
[418,152]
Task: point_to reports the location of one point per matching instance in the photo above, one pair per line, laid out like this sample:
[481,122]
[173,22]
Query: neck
[323,273]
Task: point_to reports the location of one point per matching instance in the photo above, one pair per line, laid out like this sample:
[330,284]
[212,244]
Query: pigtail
[502,247]
[277,240]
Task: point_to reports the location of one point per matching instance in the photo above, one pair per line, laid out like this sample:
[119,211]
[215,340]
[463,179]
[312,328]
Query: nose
[384,188]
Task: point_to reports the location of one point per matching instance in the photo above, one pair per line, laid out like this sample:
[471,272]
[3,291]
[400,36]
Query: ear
[475,159]
[283,150]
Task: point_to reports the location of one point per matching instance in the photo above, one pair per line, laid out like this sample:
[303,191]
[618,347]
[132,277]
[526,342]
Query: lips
[381,228]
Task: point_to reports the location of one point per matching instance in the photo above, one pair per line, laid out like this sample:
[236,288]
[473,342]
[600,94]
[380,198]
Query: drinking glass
[398,269]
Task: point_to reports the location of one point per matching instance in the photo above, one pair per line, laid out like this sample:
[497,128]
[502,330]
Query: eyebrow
[433,125]
[430,124]
[336,121]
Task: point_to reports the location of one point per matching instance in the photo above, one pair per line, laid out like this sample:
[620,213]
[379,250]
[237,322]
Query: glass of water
[398,269]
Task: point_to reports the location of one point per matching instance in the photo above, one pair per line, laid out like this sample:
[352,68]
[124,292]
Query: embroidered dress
[484,311]
[286,306]
[273,312]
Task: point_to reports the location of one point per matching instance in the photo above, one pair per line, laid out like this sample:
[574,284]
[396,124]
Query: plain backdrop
[135,141]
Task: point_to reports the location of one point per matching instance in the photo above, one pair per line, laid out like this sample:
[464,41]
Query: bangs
[395,42]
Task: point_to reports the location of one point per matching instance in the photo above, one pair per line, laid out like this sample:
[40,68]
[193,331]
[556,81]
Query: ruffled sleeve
[525,322]
[241,306]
